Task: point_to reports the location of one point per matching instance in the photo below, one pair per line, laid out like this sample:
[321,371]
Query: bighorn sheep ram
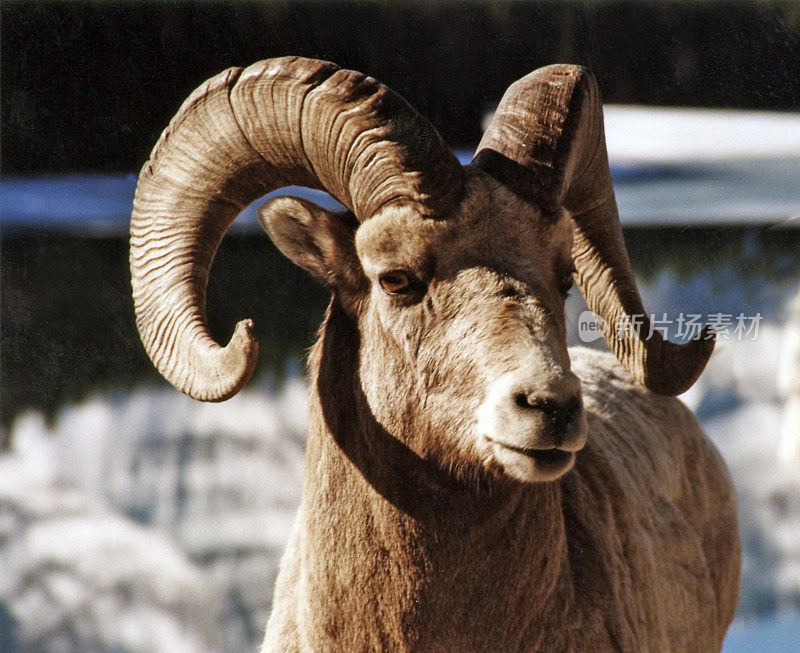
[465,489]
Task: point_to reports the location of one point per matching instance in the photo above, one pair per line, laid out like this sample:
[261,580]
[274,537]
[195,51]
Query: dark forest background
[89,86]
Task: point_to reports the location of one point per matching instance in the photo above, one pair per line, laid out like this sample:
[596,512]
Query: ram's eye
[396,282]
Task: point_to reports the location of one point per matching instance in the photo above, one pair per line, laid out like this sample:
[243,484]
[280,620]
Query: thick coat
[630,551]
[470,484]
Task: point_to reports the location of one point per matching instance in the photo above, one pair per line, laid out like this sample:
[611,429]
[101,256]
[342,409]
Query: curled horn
[547,143]
[239,136]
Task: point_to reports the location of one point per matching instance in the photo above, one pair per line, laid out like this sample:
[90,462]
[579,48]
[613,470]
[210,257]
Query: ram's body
[629,551]
[465,488]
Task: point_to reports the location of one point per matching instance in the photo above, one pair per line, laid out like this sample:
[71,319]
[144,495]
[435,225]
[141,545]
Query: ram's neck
[393,553]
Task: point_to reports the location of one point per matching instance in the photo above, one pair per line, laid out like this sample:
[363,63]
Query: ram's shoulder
[649,469]
[610,391]
[648,438]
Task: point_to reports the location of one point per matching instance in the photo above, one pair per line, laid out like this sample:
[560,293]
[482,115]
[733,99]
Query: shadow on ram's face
[463,354]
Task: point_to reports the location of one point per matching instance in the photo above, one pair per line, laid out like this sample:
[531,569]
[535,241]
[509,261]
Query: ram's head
[455,277]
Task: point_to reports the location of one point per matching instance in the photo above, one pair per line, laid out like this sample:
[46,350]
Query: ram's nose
[560,417]
[534,424]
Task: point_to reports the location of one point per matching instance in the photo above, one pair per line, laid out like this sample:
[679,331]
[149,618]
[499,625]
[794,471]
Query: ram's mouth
[549,459]
[541,464]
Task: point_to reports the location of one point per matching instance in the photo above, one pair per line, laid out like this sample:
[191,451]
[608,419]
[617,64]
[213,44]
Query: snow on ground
[751,417]
[789,384]
[148,522]
[79,576]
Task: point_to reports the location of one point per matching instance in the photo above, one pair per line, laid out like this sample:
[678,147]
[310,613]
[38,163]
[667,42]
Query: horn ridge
[240,135]
[531,137]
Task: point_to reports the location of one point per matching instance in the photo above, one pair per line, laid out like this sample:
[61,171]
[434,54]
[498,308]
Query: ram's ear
[319,241]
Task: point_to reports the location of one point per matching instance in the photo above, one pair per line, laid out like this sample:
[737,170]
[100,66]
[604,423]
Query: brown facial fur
[492,306]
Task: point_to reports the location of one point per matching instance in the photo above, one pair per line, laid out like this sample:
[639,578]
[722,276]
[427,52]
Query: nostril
[561,414]
[548,406]
[567,413]
[521,399]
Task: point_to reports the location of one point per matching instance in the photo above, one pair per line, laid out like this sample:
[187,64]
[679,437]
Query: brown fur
[463,491]
[413,534]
